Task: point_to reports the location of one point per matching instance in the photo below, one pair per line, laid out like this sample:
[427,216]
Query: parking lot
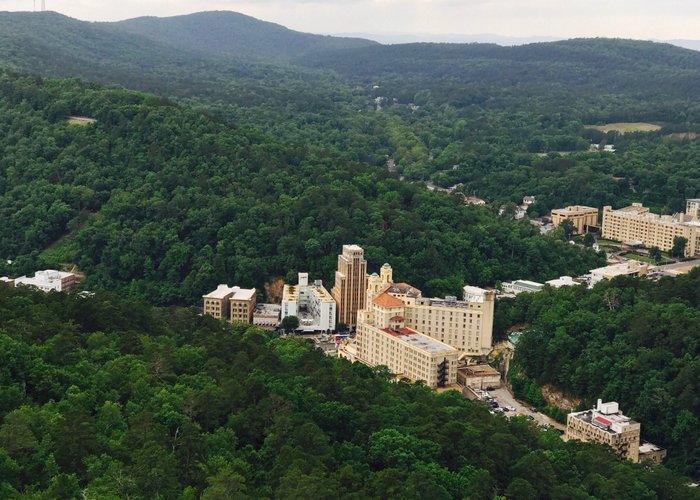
[506,399]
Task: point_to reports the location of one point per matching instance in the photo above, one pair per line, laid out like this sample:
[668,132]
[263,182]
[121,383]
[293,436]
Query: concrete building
[580,216]
[649,452]
[607,425]
[50,280]
[383,339]
[562,281]
[243,305]
[529,200]
[267,316]
[231,303]
[312,304]
[692,207]
[217,302]
[636,225]
[482,377]
[522,286]
[466,325]
[628,268]
[350,284]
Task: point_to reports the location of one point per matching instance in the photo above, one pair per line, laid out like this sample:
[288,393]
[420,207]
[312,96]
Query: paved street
[505,398]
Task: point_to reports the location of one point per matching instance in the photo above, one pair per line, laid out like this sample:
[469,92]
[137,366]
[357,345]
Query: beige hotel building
[438,331]
[636,224]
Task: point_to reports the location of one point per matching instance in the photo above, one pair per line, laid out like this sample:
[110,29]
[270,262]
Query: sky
[641,19]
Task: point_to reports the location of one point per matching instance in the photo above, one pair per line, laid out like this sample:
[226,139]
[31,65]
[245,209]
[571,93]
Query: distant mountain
[208,54]
[233,34]
[600,64]
[400,38]
[688,44]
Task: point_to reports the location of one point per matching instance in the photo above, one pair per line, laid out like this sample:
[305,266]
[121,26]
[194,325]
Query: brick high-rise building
[350,288]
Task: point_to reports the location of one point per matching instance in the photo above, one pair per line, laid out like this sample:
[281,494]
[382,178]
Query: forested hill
[604,65]
[104,398]
[627,340]
[160,202]
[226,34]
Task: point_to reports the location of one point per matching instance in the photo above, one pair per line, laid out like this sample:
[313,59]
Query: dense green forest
[503,122]
[163,203]
[632,341]
[108,398]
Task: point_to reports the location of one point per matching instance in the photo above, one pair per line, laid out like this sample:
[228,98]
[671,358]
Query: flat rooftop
[419,340]
[243,293]
[353,248]
[629,267]
[268,309]
[221,292]
[479,371]
[605,421]
[321,293]
[447,303]
[575,209]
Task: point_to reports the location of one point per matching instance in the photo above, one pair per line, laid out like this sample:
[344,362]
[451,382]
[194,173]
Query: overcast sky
[643,19]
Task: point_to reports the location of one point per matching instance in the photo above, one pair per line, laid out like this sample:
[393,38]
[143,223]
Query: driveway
[505,398]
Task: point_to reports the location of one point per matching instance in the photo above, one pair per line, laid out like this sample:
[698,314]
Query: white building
[629,268]
[522,286]
[49,280]
[312,304]
[267,316]
[562,281]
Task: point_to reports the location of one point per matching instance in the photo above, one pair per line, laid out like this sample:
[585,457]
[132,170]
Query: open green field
[80,120]
[625,128]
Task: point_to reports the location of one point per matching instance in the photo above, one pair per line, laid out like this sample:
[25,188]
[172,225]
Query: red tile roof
[398,332]
[397,318]
[386,300]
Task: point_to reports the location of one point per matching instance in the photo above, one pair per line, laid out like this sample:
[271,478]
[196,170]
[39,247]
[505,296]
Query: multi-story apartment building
[232,303]
[635,224]
[607,425]
[466,325]
[50,280]
[217,303]
[243,305]
[312,304]
[350,284]
[580,216]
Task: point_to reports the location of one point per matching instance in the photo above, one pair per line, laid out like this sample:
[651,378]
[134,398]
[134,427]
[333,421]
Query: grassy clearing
[80,120]
[626,127]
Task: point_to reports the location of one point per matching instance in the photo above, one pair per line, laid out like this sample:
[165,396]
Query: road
[505,398]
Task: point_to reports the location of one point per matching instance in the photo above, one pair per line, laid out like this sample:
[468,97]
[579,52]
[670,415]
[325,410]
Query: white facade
[312,304]
[629,268]
[520,286]
[562,281]
[49,280]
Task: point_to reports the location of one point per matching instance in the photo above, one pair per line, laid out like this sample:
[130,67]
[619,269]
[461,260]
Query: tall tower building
[350,288]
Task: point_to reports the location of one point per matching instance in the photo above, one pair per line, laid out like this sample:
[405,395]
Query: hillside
[108,398]
[502,122]
[582,65]
[230,34]
[163,203]
[629,340]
